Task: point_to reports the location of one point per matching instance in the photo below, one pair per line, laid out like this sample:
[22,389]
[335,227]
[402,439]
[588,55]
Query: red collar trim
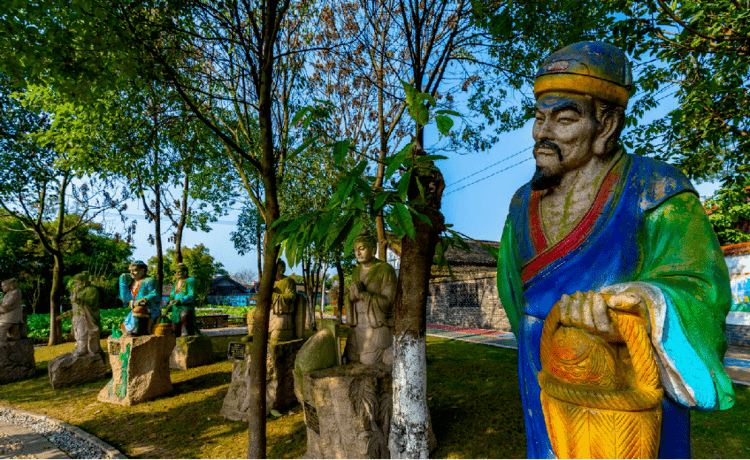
[547,255]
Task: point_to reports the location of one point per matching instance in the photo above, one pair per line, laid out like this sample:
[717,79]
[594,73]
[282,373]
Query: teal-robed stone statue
[182,303]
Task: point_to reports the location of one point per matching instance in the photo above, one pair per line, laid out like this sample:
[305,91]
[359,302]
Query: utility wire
[488,167]
[487,177]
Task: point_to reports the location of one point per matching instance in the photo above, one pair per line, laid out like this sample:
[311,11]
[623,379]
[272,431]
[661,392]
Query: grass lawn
[473,396]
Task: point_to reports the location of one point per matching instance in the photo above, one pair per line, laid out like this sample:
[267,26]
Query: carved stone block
[68,370]
[17,360]
[348,411]
[192,351]
[140,372]
[279,381]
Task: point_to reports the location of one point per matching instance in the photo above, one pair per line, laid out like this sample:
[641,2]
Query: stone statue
[141,294]
[369,307]
[11,312]
[87,362]
[282,322]
[16,350]
[86,319]
[334,388]
[610,266]
[182,303]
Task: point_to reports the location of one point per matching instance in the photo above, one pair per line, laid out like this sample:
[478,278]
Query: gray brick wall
[738,335]
[467,301]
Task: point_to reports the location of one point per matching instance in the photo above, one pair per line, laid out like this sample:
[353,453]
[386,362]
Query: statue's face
[137,272]
[182,273]
[564,130]
[364,252]
[7,285]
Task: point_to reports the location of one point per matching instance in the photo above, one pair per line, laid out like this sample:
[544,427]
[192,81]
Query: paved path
[20,442]
[736,361]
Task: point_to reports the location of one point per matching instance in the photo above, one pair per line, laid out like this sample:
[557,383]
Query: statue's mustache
[549,144]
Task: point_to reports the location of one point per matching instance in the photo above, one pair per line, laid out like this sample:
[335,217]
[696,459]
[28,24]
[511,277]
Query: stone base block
[192,351]
[140,369]
[17,360]
[69,369]
[348,411]
[279,381]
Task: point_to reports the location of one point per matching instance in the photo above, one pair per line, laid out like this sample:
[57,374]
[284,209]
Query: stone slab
[140,369]
[17,360]
[279,381]
[191,351]
[21,442]
[107,450]
[69,369]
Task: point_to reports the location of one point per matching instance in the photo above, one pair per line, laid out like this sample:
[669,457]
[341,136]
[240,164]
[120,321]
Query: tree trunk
[183,220]
[410,422]
[256,435]
[340,300]
[321,285]
[53,247]
[157,235]
[261,250]
[55,300]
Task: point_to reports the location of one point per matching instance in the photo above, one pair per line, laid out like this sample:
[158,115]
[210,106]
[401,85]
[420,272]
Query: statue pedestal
[17,360]
[68,370]
[339,423]
[140,369]
[279,379]
[191,351]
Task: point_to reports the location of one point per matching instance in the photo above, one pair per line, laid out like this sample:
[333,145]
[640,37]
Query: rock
[319,352]
[279,381]
[69,369]
[140,369]
[348,410]
[17,360]
[192,351]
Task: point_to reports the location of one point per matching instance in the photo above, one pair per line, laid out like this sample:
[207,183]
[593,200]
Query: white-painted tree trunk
[323,290]
[409,436]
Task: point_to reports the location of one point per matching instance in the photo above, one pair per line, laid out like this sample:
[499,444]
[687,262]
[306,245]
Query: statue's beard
[544,179]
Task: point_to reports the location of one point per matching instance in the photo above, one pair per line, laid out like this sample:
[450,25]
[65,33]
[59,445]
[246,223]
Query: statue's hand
[356,289]
[630,302]
[587,310]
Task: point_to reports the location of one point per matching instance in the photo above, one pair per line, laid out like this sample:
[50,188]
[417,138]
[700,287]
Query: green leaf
[415,104]
[444,124]
[335,232]
[403,217]
[396,161]
[299,115]
[302,147]
[342,236]
[340,149]
[380,200]
[423,158]
[448,112]
[356,229]
[403,185]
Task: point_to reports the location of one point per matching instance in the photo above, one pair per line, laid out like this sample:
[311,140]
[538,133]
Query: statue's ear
[607,128]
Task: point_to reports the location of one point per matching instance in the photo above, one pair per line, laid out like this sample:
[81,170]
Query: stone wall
[738,329]
[467,301]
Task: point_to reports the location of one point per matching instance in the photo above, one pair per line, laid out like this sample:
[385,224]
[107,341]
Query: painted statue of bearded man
[598,232]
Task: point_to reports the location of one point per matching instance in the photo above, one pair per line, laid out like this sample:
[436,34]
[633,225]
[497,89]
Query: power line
[487,177]
[488,167]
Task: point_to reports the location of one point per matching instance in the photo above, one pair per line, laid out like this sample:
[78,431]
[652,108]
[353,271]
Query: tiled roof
[736,249]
